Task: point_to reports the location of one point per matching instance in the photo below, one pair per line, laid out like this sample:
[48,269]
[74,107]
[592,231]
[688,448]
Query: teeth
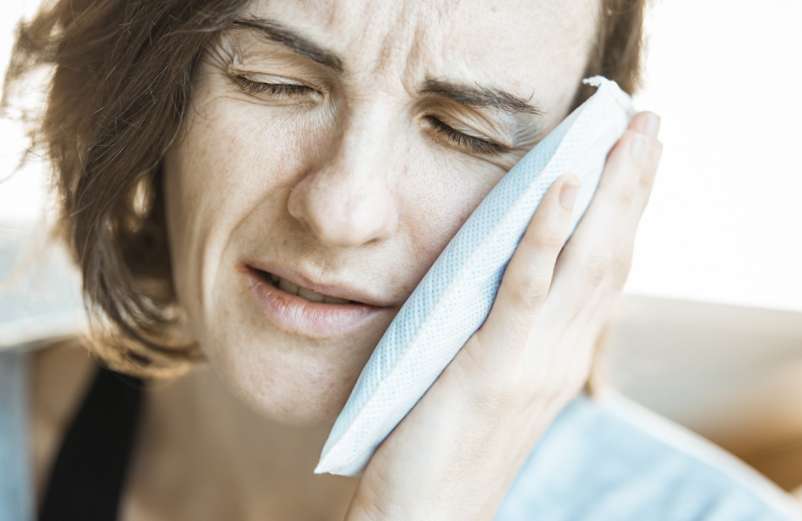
[308,294]
[289,287]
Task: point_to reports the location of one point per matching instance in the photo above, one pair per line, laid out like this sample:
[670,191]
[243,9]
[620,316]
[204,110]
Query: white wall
[723,221]
[21,194]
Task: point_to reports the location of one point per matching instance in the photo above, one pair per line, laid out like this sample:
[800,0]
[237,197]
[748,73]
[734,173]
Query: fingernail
[568,192]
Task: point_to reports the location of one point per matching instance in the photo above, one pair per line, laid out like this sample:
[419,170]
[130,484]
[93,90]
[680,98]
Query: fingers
[629,173]
[560,290]
[594,265]
[493,364]
[528,275]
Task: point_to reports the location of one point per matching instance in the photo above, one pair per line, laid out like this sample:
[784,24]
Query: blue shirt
[604,458]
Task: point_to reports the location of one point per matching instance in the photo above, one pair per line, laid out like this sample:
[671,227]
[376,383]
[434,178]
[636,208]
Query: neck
[232,460]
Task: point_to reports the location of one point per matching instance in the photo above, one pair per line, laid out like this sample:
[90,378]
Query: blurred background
[709,333]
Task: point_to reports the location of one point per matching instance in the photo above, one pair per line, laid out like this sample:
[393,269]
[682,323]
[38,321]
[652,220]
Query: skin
[348,182]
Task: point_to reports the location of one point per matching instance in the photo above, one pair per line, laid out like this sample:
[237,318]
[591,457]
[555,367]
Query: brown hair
[121,80]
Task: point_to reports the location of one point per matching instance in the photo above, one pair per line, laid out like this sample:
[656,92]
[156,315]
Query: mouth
[299,291]
[297,310]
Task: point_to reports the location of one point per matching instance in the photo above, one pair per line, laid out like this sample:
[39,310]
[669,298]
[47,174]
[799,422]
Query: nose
[344,199]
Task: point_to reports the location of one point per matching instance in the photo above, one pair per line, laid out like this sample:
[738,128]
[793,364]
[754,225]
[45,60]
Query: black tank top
[88,474]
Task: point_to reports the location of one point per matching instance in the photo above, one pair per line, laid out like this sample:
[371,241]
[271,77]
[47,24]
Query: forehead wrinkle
[328,7]
[393,34]
[331,15]
[417,49]
[417,16]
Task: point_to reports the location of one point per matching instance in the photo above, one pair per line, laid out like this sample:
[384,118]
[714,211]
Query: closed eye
[284,90]
[288,90]
[473,143]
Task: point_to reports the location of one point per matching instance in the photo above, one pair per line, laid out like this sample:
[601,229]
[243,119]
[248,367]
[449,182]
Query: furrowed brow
[481,96]
[473,95]
[293,39]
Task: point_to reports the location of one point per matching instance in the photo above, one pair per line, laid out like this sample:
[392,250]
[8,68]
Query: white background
[723,222]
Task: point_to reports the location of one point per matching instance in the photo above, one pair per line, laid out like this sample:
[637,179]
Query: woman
[201,147]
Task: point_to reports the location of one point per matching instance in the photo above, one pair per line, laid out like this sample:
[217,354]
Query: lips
[298,316]
[341,290]
[300,291]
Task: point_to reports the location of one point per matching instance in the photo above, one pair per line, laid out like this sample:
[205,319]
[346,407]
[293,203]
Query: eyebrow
[279,33]
[473,95]
[481,96]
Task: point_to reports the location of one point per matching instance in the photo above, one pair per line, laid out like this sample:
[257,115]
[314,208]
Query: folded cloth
[608,458]
[455,296]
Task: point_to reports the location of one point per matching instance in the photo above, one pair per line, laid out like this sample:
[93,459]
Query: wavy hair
[120,80]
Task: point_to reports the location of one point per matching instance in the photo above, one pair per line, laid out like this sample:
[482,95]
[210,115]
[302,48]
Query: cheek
[438,199]
[214,176]
[227,170]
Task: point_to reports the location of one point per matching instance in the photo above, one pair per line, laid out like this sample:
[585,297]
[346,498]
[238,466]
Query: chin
[289,381]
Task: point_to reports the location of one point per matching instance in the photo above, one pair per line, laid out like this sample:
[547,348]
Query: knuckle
[645,182]
[620,267]
[548,239]
[530,291]
[628,195]
[595,268]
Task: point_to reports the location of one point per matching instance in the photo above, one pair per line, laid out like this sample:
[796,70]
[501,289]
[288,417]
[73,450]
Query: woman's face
[349,176]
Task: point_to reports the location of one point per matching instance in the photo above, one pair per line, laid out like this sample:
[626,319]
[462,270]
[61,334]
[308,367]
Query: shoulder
[59,371]
[40,385]
[59,374]
[607,457]
[53,373]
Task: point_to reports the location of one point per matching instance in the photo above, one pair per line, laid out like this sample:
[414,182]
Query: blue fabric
[40,290]
[16,494]
[594,463]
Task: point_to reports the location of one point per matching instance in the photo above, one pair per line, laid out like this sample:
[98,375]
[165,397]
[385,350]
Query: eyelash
[472,143]
[274,89]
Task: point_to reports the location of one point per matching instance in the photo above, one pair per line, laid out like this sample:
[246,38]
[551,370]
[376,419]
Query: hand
[456,453]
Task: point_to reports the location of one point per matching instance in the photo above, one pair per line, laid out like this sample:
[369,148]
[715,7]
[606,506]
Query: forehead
[521,45]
